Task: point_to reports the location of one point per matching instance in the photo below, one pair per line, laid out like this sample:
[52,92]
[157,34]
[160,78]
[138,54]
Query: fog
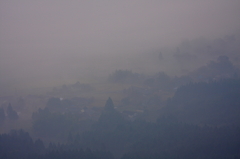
[119,79]
[44,43]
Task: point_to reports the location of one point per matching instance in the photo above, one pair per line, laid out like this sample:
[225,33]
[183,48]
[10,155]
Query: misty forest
[111,89]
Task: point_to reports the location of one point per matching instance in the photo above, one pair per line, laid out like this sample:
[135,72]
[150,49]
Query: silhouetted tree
[39,146]
[215,103]
[70,137]
[109,106]
[2,115]
[110,117]
[18,144]
[160,56]
[12,114]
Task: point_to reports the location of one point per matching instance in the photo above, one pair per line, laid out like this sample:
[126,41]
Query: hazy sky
[56,39]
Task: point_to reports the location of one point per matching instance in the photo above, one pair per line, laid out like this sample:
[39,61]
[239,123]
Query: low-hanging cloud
[60,40]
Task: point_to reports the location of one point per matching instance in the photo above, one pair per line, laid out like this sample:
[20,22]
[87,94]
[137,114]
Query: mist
[43,43]
[119,79]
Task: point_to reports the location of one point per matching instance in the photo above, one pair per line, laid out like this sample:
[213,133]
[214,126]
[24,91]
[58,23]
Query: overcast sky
[47,39]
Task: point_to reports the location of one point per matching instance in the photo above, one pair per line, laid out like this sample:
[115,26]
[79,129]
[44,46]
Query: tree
[125,76]
[12,114]
[70,137]
[110,117]
[109,106]
[160,56]
[2,115]
[39,146]
[53,103]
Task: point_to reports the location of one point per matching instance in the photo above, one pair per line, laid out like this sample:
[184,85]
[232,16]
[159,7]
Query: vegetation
[18,144]
[125,76]
[214,103]
[198,120]
[12,114]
